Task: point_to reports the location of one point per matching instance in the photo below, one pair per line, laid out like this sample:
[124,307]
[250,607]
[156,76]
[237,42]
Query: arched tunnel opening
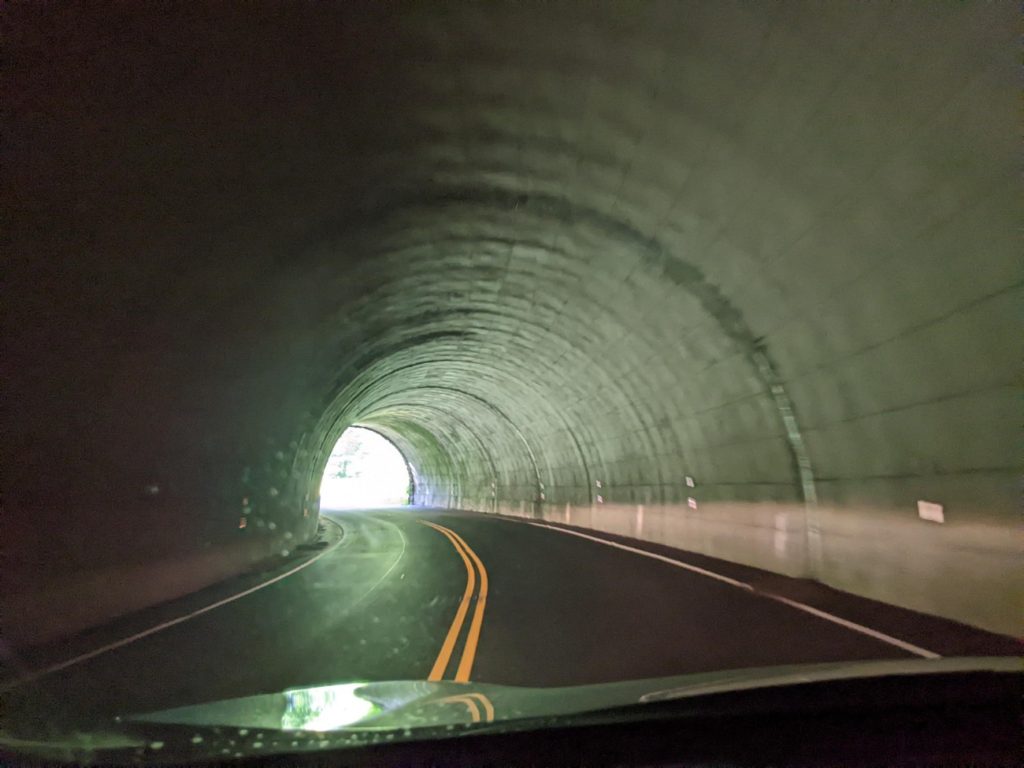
[728,280]
[365,470]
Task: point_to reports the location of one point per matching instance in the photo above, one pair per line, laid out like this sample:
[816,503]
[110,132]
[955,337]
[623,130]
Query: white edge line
[36,674]
[854,626]
[742,585]
[653,556]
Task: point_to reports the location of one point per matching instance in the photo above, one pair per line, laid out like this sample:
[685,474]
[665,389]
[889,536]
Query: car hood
[403,706]
[359,714]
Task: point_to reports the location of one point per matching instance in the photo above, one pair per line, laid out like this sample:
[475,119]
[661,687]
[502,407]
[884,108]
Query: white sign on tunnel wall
[929,510]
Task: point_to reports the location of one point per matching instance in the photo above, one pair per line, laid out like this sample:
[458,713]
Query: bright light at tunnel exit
[365,470]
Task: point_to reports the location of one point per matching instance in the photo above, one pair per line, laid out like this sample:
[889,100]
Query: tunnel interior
[732,277]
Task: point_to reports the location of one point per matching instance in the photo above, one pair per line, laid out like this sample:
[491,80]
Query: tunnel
[741,279]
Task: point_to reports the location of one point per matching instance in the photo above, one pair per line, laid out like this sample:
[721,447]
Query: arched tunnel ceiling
[769,246]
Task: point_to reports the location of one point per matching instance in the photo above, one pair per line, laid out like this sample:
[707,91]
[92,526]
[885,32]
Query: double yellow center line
[473,566]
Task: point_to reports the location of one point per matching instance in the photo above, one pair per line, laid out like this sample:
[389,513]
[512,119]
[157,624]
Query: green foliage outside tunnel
[364,470]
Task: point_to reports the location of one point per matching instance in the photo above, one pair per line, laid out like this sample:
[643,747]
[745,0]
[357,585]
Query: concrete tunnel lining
[771,249]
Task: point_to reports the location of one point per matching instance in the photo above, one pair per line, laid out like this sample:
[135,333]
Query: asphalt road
[399,596]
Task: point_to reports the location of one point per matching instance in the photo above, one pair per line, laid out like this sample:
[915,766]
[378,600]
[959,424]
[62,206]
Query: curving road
[434,594]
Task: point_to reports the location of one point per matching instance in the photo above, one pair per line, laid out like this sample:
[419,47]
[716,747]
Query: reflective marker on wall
[928,510]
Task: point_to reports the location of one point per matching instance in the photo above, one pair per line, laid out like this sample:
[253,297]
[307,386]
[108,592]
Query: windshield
[408,363]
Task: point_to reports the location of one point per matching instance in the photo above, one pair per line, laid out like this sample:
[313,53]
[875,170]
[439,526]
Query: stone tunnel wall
[769,248]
